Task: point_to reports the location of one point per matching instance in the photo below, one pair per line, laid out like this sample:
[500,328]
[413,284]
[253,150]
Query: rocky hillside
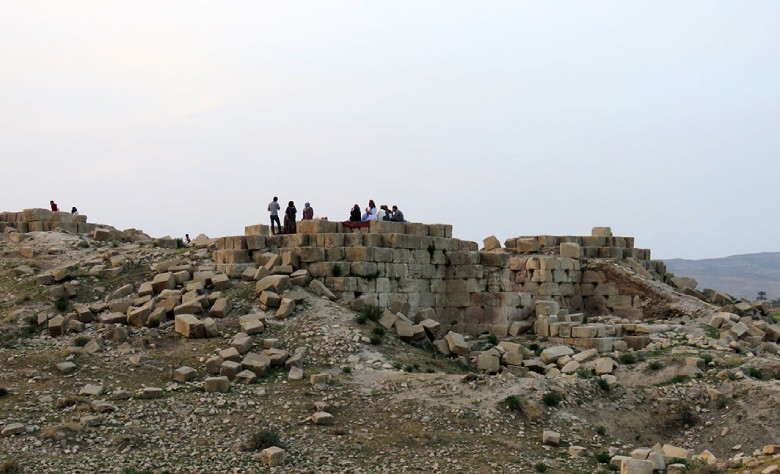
[124,356]
[742,276]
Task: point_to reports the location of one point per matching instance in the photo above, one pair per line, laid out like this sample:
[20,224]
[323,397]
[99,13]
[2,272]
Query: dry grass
[65,430]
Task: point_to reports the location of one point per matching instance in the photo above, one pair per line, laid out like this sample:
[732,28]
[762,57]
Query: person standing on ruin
[308,212]
[274,208]
[54,207]
[289,218]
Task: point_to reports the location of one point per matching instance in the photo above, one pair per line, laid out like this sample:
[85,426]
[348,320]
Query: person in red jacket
[54,206]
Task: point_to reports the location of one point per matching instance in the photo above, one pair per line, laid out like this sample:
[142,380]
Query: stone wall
[472,291]
[44,220]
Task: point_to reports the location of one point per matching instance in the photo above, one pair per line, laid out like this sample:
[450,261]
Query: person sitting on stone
[74,211]
[290,226]
[398,216]
[371,212]
[354,214]
[308,212]
[54,207]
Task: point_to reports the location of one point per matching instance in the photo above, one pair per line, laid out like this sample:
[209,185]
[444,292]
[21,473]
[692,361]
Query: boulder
[189,326]
[552,354]
[217,384]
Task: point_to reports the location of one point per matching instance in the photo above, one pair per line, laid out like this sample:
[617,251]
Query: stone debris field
[390,348]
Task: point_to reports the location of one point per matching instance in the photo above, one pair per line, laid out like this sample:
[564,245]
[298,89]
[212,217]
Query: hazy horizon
[500,118]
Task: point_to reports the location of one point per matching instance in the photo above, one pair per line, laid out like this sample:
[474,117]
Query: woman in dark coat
[289,218]
[354,214]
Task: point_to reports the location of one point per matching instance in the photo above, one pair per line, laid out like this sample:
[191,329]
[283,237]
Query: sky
[506,118]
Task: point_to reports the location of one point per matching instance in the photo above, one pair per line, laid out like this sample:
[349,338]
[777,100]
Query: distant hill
[738,275]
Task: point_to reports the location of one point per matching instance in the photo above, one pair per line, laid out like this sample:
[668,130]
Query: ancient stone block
[184,374]
[217,384]
[189,326]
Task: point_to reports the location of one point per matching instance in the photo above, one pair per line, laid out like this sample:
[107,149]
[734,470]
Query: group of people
[56,208]
[289,216]
[384,213]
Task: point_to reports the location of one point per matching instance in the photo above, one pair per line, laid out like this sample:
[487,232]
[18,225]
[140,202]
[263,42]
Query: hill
[738,275]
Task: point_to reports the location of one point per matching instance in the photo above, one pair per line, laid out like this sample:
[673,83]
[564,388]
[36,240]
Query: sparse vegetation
[603,457]
[655,365]
[80,341]
[361,318]
[376,340]
[346,369]
[627,359]
[10,466]
[552,399]
[132,470]
[61,304]
[263,439]
[603,384]
[379,331]
[492,340]
[372,312]
[755,372]
[540,467]
[712,332]
[675,380]
[584,373]
[528,410]
[600,430]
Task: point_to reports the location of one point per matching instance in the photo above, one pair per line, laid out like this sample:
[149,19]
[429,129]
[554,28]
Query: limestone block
[551,438]
[570,250]
[163,281]
[57,326]
[270,299]
[387,227]
[364,269]
[138,316]
[256,363]
[490,243]
[275,456]
[527,245]
[409,332]
[217,384]
[323,418]
[604,365]
[601,232]
[190,307]
[494,259]
[636,466]
[432,328]
[184,374]
[552,354]
[546,308]
[456,343]
[101,234]
[189,326]
[252,326]
[488,363]
[317,226]
[13,429]
[230,369]
[66,367]
[276,357]
[286,308]
[319,289]
[274,283]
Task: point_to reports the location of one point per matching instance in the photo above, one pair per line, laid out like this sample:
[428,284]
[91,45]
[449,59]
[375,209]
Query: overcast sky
[660,119]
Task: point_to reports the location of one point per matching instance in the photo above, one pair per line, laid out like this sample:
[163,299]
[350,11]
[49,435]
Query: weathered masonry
[472,291]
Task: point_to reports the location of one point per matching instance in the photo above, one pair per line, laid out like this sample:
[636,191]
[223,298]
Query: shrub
[552,399]
[379,331]
[755,373]
[603,457]
[721,403]
[263,439]
[540,467]
[677,379]
[61,304]
[361,318]
[492,340]
[513,403]
[603,384]
[409,368]
[707,358]
[528,410]
[701,467]
[584,373]
[83,244]
[376,340]
[4,392]
[397,365]
[600,430]
[81,341]
[180,244]
[712,332]
[627,359]
[372,312]
[655,365]
[346,369]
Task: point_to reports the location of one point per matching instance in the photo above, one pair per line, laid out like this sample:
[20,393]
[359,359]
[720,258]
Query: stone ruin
[471,290]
